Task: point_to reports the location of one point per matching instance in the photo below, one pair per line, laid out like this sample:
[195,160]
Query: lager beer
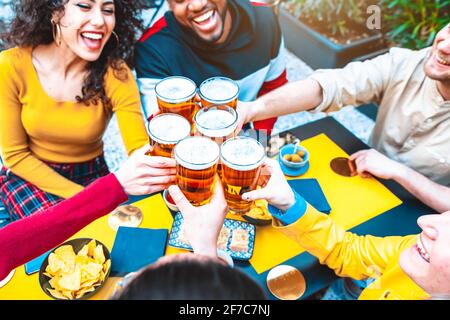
[219,90]
[241,159]
[165,131]
[177,95]
[196,159]
[217,122]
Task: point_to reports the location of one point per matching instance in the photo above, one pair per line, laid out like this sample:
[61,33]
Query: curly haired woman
[60,85]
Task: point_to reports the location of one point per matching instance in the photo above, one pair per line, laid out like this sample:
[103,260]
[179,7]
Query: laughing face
[209,19]
[86,26]
[437,66]
[427,262]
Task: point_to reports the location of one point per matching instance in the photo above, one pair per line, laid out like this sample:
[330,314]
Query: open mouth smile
[442,60]
[93,40]
[421,249]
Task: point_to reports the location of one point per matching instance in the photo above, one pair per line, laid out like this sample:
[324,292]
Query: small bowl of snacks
[294,159]
[169,201]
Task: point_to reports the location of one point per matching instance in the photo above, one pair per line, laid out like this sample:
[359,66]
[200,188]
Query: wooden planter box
[318,51]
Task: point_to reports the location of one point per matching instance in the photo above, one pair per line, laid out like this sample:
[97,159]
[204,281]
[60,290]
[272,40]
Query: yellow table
[353,201]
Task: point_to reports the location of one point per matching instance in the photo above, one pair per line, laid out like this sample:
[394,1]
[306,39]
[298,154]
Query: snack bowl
[88,265]
[293,149]
[169,201]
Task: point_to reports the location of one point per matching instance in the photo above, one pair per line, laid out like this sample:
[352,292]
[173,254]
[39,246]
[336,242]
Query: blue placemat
[135,248]
[35,264]
[312,192]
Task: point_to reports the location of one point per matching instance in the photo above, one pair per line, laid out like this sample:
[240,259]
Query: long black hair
[192,279]
[32,26]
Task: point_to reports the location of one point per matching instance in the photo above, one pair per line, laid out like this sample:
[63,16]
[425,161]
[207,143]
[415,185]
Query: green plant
[338,18]
[414,24]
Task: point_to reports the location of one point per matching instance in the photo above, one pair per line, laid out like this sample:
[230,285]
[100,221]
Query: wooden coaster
[286,282]
[344,167]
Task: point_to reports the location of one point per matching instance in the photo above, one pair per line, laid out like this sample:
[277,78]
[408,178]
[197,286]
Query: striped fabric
[22,199]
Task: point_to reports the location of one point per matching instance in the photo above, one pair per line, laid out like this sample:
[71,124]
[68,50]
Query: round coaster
[125,216]
[343,167]
[293,172]
[286,282]
[7,279]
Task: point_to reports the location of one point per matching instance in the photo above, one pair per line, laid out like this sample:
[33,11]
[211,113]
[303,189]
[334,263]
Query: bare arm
[293,97]
[432,194]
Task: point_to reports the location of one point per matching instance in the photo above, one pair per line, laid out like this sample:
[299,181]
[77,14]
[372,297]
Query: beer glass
[217,122]
[165,131]
[219,90]
[177,95]
[241,159]
[196,159]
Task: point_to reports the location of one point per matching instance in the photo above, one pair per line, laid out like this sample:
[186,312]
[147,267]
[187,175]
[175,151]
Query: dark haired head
[32,27]
[190,277]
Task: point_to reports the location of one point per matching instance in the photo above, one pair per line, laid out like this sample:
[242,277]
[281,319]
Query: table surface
[380,208]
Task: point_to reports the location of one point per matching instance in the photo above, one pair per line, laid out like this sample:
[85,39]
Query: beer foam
[216,123]
[168,127]
[175,89]
[242,153]
[219,89]
[196,153]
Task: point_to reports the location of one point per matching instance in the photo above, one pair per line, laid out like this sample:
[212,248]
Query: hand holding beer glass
[219,90]
[165,131]
[196,159]
[241,159]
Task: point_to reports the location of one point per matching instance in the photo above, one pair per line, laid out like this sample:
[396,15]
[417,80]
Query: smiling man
[200,39]
[411,88]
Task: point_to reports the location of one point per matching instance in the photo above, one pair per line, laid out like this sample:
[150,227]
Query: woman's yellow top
[36,128]
[358,257]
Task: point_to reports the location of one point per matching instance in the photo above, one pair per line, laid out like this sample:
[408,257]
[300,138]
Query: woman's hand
[202,224]
[371,162]
[275,189]
[141,174]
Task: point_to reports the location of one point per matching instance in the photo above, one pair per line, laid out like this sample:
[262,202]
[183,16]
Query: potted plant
[329,34]
[414,24]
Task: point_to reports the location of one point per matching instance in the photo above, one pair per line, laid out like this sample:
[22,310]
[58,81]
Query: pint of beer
[241,159]
[217,122]
[177,95]
[196,159]
[165,131]
[219,90]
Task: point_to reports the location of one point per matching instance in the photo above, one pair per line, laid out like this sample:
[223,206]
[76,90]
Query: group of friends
[72,64]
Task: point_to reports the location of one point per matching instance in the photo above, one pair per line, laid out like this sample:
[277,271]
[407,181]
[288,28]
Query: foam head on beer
[175,89]
[242,154]
[169,128]
[219,89]
[216,122]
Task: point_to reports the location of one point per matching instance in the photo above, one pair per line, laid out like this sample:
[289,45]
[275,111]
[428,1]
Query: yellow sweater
[36,128]
[358,257]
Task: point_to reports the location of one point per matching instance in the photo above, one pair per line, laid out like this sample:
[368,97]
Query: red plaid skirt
[22,199]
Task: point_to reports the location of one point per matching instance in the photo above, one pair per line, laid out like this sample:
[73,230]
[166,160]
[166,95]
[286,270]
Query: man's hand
[202,224]
[141,174]
[371,162]
[245,111]
[275,189]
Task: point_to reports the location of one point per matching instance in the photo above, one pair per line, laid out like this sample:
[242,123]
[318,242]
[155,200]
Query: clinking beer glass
[219,90]
[241,159]
[177,95]
[165,131]
[196,159]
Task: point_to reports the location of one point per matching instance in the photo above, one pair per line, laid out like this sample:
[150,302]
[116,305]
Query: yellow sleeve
[126,103]
[14,146]
[348,254]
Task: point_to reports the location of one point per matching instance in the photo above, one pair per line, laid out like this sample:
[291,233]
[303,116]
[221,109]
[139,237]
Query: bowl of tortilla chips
[75,270]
